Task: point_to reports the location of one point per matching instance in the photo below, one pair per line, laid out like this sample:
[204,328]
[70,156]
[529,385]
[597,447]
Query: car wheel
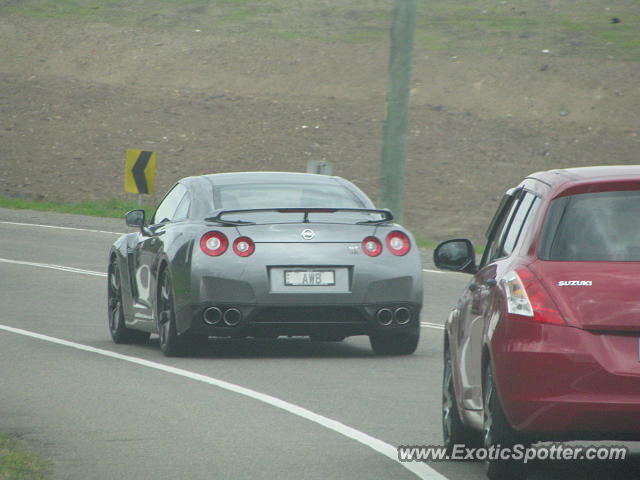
[454,432]
[404,344]
[119,332]
[170,344]
[497,431]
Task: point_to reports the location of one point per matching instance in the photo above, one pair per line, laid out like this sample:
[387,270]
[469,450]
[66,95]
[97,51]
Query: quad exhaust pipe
[232,317]
[386,316]
[214,315]
[402,315]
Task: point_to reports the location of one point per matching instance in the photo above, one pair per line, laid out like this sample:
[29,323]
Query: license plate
[311,278]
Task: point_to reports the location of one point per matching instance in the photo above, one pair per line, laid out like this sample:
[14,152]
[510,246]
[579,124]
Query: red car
[544,343]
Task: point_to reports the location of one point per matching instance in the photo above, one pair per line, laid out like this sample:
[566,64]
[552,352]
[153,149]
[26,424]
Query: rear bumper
[255,287]
[564,382]
[341,320]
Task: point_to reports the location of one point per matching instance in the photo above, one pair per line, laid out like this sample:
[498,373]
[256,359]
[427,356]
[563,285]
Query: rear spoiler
[387,216]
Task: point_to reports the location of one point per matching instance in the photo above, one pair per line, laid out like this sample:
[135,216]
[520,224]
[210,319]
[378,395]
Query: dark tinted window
[500,222]
[498,217]
[509,224]
[593,227]
[527,205]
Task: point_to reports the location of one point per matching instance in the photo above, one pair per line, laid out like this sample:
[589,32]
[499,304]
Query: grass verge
[111,208]
[584,29]
[18,463]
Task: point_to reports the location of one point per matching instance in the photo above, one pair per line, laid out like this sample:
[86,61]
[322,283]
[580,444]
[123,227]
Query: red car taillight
[214,243]
[372,246]
[243,246]
[398,243]
[526,297]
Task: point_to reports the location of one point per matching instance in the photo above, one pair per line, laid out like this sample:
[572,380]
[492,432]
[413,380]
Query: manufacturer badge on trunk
[308,234]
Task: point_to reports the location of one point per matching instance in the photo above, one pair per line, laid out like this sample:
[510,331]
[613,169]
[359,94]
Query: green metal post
[392,172]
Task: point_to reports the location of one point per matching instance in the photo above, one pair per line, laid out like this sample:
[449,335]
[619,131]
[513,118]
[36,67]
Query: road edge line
[420,469]
[61,268]
[59,227]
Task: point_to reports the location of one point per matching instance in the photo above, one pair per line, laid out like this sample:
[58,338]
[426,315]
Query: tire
[404,344]
[498,431]
[115,311]
[454,432]
[170,343]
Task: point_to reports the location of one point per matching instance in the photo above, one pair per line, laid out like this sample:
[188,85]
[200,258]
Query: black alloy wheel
[170,343]
[119,332]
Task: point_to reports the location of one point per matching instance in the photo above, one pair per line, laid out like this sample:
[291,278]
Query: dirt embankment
[74,96]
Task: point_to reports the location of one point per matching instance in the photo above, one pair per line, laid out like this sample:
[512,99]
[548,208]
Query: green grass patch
[18,463]
[368,35]
[111,208]
[241,15]
[583,29]
[428,244]
[96,9]
[623,36]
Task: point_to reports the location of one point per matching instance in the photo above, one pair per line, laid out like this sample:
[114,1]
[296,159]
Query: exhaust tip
[402,315]
[212,315]
[232,317]
[384,316]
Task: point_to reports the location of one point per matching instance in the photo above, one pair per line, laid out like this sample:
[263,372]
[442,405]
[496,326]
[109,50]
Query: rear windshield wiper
[387,216]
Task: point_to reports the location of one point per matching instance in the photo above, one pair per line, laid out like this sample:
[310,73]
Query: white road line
[421,470]
[434,271]
[443,272]
[437,326]
[60,228]
[54,267]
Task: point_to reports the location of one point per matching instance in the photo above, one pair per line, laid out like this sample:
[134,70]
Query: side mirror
[457,255]
[135,218]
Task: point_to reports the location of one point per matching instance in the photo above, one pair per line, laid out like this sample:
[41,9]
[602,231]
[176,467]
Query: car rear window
[260,195]
[600,226]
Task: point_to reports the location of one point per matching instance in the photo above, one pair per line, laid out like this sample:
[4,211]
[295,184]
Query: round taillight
[214,243]
[398,243]
[243,246]
[372,246]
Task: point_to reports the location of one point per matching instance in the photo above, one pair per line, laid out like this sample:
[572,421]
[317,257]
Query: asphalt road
[285,409]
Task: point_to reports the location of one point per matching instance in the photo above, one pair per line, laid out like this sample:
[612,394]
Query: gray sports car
[265,254]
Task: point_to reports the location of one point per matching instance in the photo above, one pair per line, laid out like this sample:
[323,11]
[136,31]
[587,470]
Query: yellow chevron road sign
[139,171]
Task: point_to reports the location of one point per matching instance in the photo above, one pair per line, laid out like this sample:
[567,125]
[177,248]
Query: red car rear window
[601,226]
